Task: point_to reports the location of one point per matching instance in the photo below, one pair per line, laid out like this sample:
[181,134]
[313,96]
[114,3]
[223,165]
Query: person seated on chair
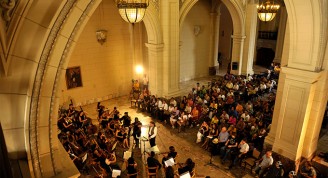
[132,166]
[153,162]
[174,116]
[188,166]
[230,145]
[213,133]
[169,172]
[292,174]
[265,162]
[171,154]
[308,171]
[182,120]
[243,150]
[276,171]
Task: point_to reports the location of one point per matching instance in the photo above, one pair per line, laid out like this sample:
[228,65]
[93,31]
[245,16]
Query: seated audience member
[213,133]
[243,150]
[276,171]
[132,166]
[174,117]
[230,146]
[202,132]
[153,162]
[308,171]
[188,166]
[292,174]
[182,120]
[194,117]
[264,163]
[223,137]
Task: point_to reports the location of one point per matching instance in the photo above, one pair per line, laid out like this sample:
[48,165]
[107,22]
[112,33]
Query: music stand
[144,139]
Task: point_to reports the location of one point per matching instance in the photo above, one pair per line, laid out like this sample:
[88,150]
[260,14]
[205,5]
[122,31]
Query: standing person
[145,81]
[152,133]
[136,131]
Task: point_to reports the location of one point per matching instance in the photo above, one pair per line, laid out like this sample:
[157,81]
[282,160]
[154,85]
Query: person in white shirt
[236,87]
[245,116]
[262,164]
[243,150]
[145,81]
[152,133]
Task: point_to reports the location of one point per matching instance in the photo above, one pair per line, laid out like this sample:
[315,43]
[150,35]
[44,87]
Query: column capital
[155,47]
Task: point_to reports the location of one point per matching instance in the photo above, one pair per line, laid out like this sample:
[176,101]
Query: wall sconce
[196,30]
[101,36]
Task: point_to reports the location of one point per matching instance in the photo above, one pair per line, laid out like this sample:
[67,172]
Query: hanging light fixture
[267,11]
[132,11]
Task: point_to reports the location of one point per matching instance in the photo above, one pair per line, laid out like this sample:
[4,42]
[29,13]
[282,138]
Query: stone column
[250,40]
[281,34]
[171,54]
[295,106]
[155,56]
[214,42]
[237,52]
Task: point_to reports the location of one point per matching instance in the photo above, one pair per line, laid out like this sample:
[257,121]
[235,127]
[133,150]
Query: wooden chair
[193,173]
[251,161]
[151,173]
[133,175]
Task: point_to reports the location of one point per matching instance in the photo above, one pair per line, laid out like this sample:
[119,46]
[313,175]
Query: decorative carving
[35,99]
[7,6]
[156,3]
[101,36]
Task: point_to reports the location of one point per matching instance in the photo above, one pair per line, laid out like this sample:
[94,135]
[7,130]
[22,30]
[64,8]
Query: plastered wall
[194,49]
[107,69]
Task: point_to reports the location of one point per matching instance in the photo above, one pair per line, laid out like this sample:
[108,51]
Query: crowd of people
[232,114]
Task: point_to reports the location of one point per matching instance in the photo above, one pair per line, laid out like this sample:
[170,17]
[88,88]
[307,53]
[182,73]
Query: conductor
[152,133]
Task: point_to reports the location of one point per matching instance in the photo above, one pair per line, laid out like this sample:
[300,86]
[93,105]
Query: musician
[71,110]
[82,119]
[121,136]
[171,154]
[136,131]
[153,162]
[188,166]
[152,133]
[132,166]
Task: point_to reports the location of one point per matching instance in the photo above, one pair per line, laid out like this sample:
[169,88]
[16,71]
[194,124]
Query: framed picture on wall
[73,77]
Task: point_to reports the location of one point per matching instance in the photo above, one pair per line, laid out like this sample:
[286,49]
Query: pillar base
[211,71]
[289,165]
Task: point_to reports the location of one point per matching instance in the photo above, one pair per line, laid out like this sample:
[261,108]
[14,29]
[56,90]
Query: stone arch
[234,6]
[69,23]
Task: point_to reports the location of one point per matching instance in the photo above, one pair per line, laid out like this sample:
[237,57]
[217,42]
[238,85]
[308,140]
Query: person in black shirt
[136,131]
[188,166]
[230,146]
[171,154]
[169,172]
[153,162]
[132,166]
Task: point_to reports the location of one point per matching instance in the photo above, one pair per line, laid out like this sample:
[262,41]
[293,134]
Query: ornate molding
[7,7]
[38,81]
[58,76]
